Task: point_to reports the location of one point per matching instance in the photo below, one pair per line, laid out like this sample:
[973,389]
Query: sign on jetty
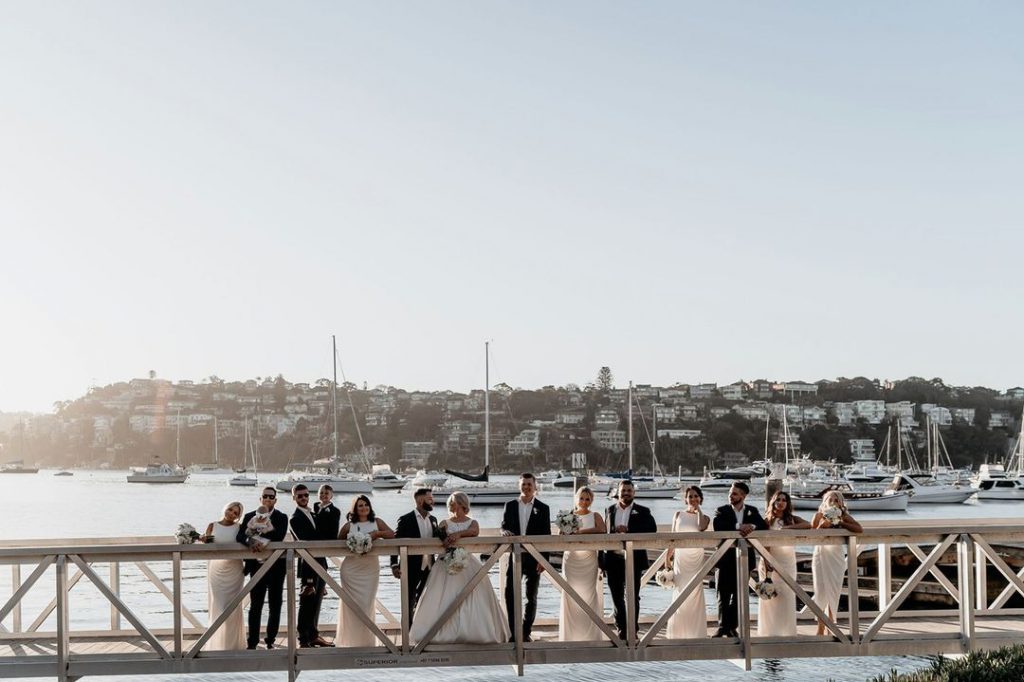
[48,630]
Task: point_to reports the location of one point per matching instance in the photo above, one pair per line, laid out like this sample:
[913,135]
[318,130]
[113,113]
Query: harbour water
[102,504]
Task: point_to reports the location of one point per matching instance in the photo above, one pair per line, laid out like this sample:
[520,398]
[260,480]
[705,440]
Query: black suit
[725,583]
[304,528]
[270,586]
[539,523]
[409,527]
[640,521]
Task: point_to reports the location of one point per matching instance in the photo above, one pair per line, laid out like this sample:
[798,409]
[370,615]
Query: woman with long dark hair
[360,575]
[777,615]
[691,618]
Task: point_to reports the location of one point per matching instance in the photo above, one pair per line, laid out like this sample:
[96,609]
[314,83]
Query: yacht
[383,478]
[992,483]
[158,472]
[17,467]
[333,475]
[429,479]
[855,501]
[925,489]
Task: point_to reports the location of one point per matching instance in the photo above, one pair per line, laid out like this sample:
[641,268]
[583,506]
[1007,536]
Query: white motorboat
[924,489]
[383,478]
[339,479]
[429,479]
[158,472]
[855,501]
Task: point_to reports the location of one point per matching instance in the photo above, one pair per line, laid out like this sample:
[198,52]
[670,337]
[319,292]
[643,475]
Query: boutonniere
[633,511]
[534,511]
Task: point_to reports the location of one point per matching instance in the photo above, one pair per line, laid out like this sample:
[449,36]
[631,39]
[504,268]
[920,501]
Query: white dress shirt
[622,514]
[426,531]
[525,509]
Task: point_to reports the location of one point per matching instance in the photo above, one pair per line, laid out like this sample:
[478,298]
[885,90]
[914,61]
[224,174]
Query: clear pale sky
[681,191]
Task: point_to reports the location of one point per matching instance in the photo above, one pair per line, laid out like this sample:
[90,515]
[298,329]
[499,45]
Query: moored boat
[855,501]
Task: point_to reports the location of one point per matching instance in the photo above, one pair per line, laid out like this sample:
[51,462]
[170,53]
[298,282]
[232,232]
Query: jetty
[72,608]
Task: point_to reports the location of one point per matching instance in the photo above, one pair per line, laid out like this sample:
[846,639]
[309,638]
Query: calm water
[102,504]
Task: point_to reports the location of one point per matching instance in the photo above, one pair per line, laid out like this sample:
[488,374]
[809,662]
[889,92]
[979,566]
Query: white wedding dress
[828,566]
[225,579]
[777,616]
[690,620]
[360,575]
[478,620]
[579,568]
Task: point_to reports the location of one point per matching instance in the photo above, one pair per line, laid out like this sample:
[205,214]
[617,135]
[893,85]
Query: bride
[579,568]
[478,619]
[225,581]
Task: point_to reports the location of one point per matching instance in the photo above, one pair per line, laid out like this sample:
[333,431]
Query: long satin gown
[828,566]
[225,579]
[777,616]
[690,621]
[478,620]
[360,575]
[579,568]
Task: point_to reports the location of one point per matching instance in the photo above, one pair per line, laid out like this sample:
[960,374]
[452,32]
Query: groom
[625,516]
[741,517]
[271,585]
[419,523]
[525,515]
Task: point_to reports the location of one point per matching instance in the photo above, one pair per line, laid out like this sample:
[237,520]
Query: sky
[682,191]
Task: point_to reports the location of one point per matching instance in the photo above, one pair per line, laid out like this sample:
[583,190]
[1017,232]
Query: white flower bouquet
[359,543]
[766,589]
[186,534]
[666,579]
[568,522]
[454,560]
[833,515]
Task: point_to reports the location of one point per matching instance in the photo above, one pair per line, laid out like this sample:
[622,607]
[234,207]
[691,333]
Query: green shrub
[1000,665]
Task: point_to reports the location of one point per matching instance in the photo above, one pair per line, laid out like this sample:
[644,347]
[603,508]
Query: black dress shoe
[720,633]
[270,645]
[250,646]
[732,633]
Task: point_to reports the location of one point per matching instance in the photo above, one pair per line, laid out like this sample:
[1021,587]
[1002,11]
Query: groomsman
[419,523]
[625,516]
[328,517]
[303,524]
[525,516]
[735,516]
[271,585]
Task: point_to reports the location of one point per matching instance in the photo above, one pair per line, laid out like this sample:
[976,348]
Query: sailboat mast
[629,400]
[216,455]
[334,393]
[487,405]
[931,435]
[177,440]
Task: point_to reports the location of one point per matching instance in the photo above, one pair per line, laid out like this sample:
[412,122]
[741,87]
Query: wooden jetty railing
[109,633]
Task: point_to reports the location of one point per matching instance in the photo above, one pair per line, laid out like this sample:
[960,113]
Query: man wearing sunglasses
[304,527]
[271,586]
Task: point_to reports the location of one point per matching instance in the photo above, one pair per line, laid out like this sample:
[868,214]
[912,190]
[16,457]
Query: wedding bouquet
[359,543]
[833,515]
[568,522]
[766,589]
[258,524]
[454,560]
[666,579]
[186,534]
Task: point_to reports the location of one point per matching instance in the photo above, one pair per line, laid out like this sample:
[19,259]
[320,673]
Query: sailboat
[161,472]
[243,479]
[644,486]
[486,492]
[213,467]
[330,471]
[924,486]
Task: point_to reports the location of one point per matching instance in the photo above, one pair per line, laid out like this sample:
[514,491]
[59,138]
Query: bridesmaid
[777,616]
[828,564]
[360,575]
[691,618]
[579,568]
[225,581]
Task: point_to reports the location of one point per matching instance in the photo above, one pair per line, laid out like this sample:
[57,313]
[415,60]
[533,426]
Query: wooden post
[176,602]
[63,620]
[631,614]
[884,575]
[853,578]
[403,567]
[292,648]
[980,579]
[743,599]
[15,584]
[115,587]
[517,606]
[965,557]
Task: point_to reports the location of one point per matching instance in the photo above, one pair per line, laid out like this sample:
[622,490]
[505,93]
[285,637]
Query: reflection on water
[102,504]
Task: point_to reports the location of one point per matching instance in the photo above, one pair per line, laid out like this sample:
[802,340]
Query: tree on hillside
[605,380]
